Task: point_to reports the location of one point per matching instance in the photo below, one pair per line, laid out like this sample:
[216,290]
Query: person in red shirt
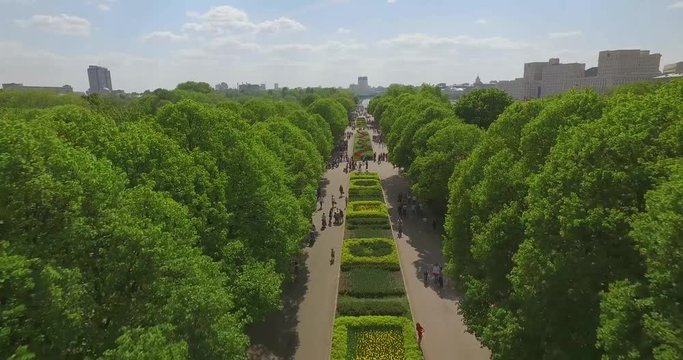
[420,330]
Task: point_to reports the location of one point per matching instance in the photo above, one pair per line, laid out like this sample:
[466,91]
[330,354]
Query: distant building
[276,86]
[676,68]
[99,79]
[251,87]
[66,89]
[615,68]
[221,87]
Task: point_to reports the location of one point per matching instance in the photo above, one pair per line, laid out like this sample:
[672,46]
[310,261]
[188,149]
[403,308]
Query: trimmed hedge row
[353,306]
[366,209]
[364,194]
[366,232]
[374,252]
[371,222]
[345,325]
[359,175]
[366,183]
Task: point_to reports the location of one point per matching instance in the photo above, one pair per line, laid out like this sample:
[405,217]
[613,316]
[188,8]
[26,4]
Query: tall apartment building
[99,79]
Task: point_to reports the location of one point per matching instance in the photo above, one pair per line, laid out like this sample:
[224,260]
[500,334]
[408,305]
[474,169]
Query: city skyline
[317,43]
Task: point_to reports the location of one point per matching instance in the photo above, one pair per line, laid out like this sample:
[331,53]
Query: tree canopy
[481,107]
[563,228]
[150,227]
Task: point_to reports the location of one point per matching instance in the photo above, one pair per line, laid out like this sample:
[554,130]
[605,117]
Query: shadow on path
[278,330]
[419,235]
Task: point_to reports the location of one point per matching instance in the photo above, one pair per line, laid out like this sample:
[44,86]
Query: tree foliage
[563,229]
[481,107]
[157,227]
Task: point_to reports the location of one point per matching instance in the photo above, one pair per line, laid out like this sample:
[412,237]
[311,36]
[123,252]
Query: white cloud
[64,24]
[391,1]
[227,19]
[164,35]
[102,5]
[279,25]
[425,41]
[342,30]
[676,5]
[563,35]
[481,21]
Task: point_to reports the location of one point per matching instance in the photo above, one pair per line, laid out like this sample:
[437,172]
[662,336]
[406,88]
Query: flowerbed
[371,282]
[377,252]
[365,193]
[361,123]
[374,337]
[362,146]
[366,209]
[365,188]
[357,231]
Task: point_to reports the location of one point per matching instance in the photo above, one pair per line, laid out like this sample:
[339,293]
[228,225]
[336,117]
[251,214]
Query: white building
[676,68]
[615,68]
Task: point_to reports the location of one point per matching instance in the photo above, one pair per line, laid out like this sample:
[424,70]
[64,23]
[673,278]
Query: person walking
[425,272]
[341,191]
[435,273]
[420,331]
[434,224]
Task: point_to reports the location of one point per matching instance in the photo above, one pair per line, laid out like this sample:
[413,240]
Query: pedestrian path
[446,336]
[303,329]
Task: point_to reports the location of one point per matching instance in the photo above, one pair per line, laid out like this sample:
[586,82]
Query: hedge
[349,324]
[371,282]
[367,232]
[395,305]
[367,175]
[374,252]
[365,194]
[365,209]
[366,183]
[368,222]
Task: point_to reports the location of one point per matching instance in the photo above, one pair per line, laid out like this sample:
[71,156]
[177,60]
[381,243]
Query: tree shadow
[420,235]
[278,330]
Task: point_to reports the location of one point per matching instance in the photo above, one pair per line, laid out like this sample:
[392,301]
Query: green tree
[200,87]
[481,107]
[333,112]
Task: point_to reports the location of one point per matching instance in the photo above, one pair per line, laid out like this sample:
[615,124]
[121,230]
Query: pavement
[303,329]
[436,309]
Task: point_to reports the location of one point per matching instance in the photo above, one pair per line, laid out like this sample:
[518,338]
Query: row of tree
[564,228]
[135,231]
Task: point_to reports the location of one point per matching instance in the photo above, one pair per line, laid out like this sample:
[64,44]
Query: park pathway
[303,329]
[435,309]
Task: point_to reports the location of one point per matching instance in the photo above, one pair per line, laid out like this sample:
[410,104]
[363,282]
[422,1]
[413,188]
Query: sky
[149,44]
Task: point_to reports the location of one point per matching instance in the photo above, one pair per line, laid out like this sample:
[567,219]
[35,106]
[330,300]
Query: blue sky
[153,43]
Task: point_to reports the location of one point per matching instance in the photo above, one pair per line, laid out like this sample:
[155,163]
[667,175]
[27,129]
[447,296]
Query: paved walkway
[303,329]
[435,309]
